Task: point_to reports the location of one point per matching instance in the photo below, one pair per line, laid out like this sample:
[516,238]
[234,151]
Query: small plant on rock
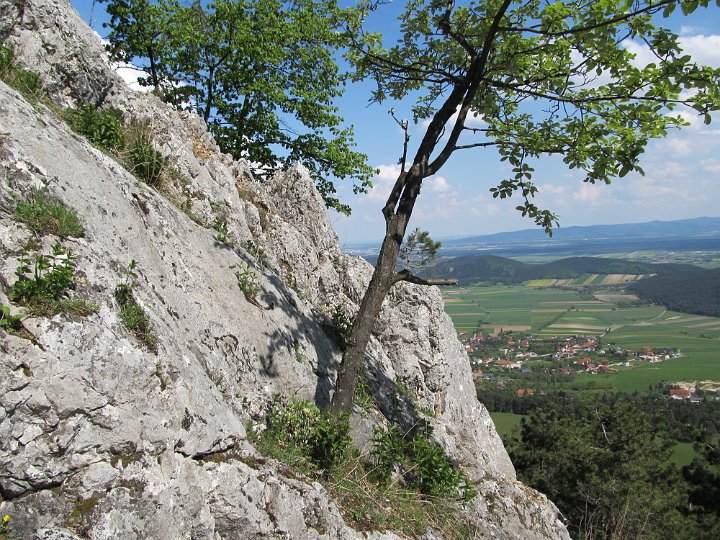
[132,315]
[221,228]
[248,283]
[256,251]
[141,158]
[43,284]
[46,215]
[299,433]
[8,322]
[342,324]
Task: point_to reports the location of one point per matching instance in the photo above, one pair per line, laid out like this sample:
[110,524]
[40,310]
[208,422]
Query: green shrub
[103,129]
[221,227]
[299,433]
[256,251]
[46,215]
[342,324]
[318,445]
[45,290]
[8,322]
[132,315]
[422,463]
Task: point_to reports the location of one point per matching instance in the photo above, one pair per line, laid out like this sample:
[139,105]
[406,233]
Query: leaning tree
[545,77]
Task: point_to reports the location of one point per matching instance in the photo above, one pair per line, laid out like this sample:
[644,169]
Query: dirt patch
[616,297]
[578,326]
[514,328]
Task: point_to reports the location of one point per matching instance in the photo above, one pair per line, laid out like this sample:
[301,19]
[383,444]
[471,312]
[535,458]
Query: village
[495,357]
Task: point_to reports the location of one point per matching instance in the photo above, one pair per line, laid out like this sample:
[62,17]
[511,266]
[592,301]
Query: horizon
[377,242]
[678,184]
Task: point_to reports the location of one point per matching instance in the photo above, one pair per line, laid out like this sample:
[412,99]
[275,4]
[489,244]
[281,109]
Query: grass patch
[406,485]
[103,129]
[46,215]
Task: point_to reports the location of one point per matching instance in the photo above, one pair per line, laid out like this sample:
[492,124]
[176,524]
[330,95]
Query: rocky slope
[102,438]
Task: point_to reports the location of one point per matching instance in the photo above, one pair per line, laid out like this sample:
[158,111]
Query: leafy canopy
[541,77]
[606,466]
[260,72]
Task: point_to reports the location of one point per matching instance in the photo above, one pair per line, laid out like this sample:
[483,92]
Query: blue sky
[682,172]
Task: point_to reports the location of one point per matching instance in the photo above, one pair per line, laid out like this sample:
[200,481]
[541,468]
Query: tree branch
[407,275]
[578,30]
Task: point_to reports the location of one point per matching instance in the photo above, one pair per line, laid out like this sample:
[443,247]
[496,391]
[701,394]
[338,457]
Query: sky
[682,171]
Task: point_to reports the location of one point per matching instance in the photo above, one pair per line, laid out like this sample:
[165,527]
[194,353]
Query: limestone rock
[101,437]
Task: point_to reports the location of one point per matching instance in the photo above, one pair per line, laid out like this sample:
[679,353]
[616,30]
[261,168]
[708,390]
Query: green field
[561,312]
[507,424]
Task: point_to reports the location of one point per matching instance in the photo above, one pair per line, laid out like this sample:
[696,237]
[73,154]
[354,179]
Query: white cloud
[590,193]
[643,54]
[684,30]
[438,185]
[678,147]
[711,166]
[705,50]
[383,182]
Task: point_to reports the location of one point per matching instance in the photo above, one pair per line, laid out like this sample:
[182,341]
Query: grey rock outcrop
[102,438]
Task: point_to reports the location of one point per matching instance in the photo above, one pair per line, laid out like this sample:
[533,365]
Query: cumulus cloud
[383,182]
[711,166]
[589,193]
[438,185]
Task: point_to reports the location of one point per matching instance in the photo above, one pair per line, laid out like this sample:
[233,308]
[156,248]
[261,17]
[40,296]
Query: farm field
[561,312]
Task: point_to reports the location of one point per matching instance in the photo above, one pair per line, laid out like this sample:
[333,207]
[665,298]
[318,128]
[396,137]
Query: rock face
[102,438]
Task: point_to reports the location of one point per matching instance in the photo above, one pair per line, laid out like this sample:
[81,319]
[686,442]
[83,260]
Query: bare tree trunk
[380,284]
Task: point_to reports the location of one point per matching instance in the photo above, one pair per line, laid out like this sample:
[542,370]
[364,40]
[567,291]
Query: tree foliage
[606,467]
[260,72]
[419,250]
[542,79]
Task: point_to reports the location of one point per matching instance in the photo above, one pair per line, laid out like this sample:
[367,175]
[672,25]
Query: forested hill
[473,269]
[689,292]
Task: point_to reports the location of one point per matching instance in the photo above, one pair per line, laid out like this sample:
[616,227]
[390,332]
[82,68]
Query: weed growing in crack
[9,323]
[24,81]
[248,284]
[103,129]
[132,315]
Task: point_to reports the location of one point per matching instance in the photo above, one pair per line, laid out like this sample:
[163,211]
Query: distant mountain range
[696,227]
[686,234]
[473,269]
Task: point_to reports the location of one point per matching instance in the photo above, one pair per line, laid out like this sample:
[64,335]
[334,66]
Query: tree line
[606,465]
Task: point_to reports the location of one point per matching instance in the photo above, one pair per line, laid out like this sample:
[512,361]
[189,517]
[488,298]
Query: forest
[696,292]
[474,269]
